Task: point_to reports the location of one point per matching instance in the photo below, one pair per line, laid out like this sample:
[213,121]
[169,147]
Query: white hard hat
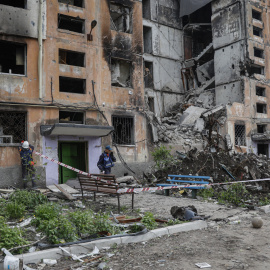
[25,144]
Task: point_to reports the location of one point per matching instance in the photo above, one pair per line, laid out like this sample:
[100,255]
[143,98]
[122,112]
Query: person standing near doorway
[106,160]
[28,171]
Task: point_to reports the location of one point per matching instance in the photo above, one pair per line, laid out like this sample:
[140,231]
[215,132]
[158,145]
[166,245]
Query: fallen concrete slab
[83,248]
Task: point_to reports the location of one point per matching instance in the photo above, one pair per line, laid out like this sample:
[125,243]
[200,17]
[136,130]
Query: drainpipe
[40,44]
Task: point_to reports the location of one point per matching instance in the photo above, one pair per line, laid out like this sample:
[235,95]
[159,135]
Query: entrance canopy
[75,130]
[189,6]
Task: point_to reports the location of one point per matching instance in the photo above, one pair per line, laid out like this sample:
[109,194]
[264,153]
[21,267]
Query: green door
[72,154]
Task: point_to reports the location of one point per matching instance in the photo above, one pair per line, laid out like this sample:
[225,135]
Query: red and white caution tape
[138,190]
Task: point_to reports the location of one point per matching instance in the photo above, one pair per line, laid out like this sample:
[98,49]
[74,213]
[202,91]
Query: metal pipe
[40,55]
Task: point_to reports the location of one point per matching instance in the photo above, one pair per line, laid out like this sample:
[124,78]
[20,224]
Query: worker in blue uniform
[106,160]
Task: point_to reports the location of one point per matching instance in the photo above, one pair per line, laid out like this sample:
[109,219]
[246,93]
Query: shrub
[28,198]
[14,210]
[163,157]
[149,221]
[83,221]
[10,237]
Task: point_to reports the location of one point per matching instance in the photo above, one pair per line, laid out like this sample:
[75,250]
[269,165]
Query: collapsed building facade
[71,72]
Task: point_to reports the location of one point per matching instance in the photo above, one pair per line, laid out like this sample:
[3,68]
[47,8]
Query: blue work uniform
[106,162]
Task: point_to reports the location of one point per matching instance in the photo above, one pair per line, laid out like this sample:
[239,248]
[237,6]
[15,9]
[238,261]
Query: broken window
[72,85]
[257,31]
[70,23]
[260,91]
[121,73]
[254,69]
[151,104]
[146,6]
[76,3]
[71,58]
[261,108]
[12,58]
[240,134]
[123,130]
[12,127]
[71,117]
[148,75]
[263,149]
[14,3]
[256,15]
[258,53]
[261,128]
[120,18]
[147,39]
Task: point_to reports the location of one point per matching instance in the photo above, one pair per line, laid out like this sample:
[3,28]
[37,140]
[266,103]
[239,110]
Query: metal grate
[12,127]
[240,135]
[123,130]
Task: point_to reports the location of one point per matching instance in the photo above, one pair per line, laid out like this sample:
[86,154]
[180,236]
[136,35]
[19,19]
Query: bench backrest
[109,177]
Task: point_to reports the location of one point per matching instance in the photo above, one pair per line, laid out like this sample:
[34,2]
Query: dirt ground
[229,242]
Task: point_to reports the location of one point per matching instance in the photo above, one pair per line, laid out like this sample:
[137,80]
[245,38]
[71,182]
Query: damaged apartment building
[226,47]
[71,82]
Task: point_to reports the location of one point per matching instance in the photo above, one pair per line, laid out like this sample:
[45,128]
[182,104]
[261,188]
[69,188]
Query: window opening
[148,75]
[123,130]
[72,85]
[240,134]
[147,39]
[70,23]
[151,104]
[12,127]
[71,58]
[120,18]
[256,15]
[146,6]
[258,53]
[12,58]
[261,108]
[71,117]
[260,91]
[263,149]
[76,3]
[261,128]
[120,73]
[14,3]
[257,31]
[256,70]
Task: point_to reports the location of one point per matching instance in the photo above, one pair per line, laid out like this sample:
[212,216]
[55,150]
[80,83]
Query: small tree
[163,157]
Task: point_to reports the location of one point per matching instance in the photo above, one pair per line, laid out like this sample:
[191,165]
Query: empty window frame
[261,128]
[148,75]
[123,130]
[71,58]
[254,69]
[256,15]
[260,91]
[72,85]
[151,104]
[71,117]
[240,134]
[12,58]
[14,3]
[121,73]
[147,39]
[263,149]
[257,31]
[120,18]
[261,108]
[76,3]
[258,53]
[146,6]
[12,127]
[70,23]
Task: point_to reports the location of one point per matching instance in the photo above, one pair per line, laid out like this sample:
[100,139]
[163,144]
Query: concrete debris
[49,262]
[257,222]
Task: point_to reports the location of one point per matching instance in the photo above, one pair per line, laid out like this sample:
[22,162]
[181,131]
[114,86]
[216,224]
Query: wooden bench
[176,179]
[105,183]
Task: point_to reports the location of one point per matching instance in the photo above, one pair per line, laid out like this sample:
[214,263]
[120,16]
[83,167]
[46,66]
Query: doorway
[73,154]
[263,149]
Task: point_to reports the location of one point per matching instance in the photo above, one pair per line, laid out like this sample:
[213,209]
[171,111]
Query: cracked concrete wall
[22,22]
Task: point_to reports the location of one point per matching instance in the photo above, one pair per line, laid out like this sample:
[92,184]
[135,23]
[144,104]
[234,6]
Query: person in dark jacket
[28,171]
[106,160]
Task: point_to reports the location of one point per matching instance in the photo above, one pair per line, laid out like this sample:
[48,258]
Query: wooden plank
[68,195]
[65,187]
[7,190]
